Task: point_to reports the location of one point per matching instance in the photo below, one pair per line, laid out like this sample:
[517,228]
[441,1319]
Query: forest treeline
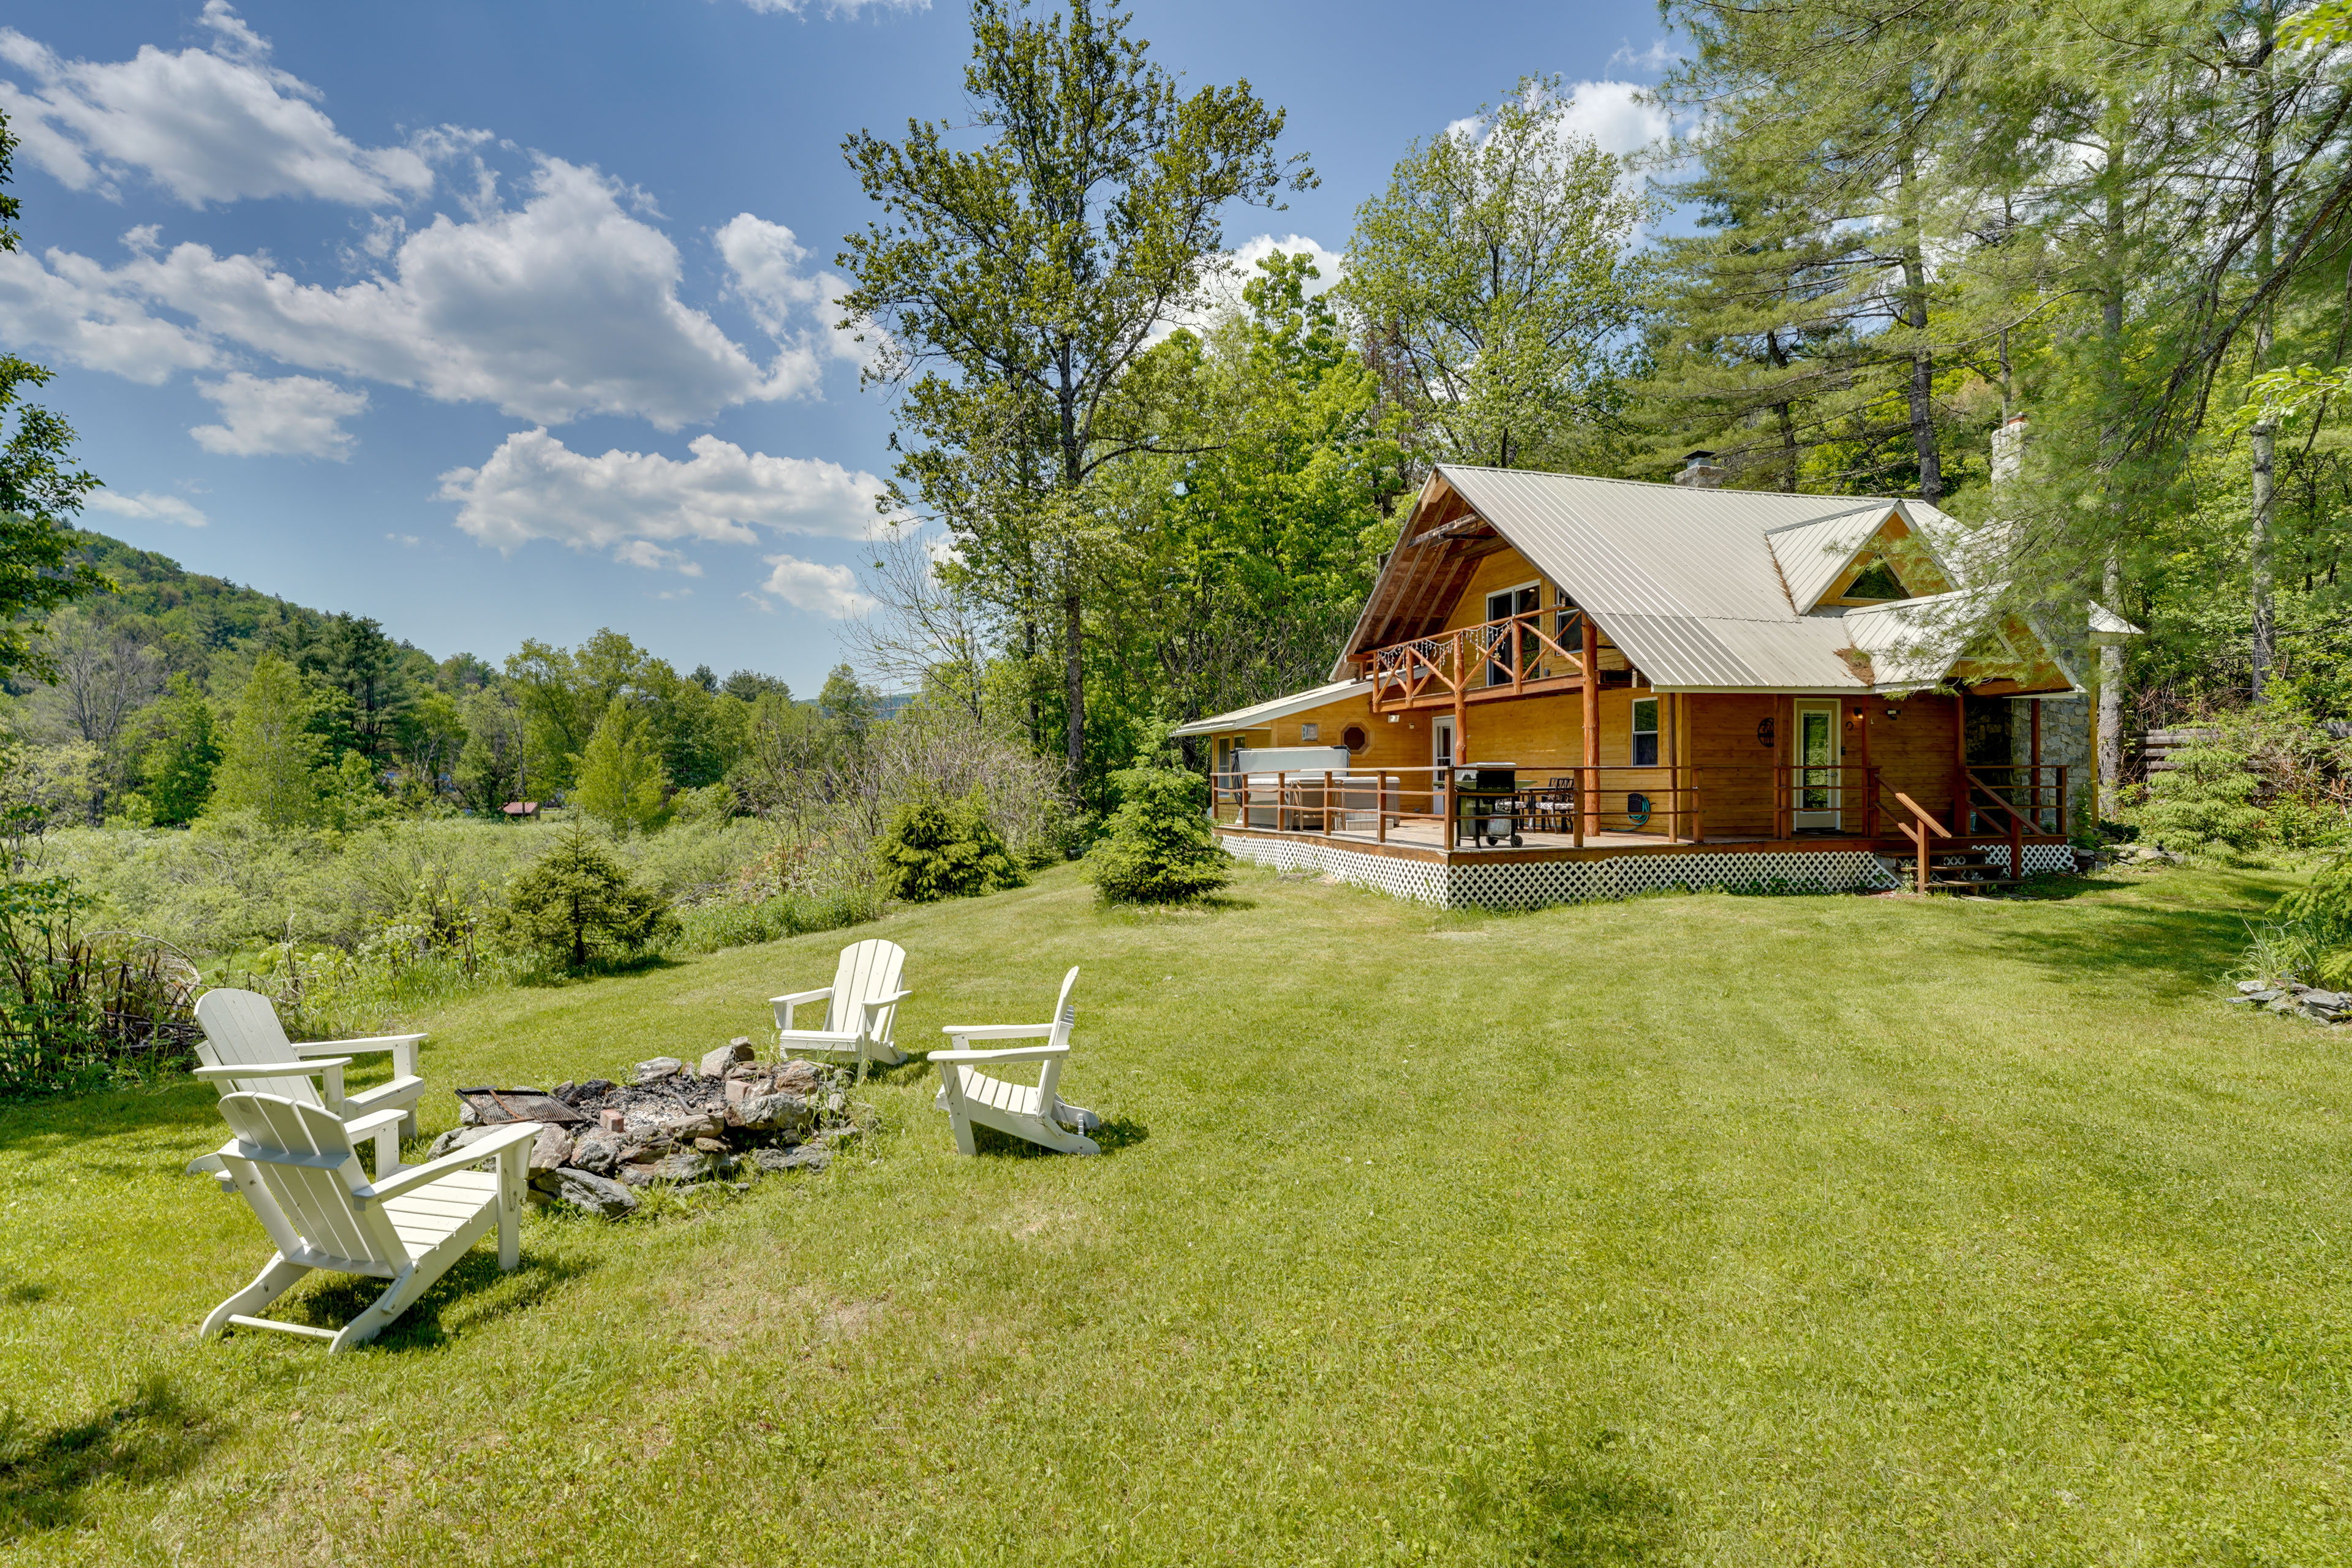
[1884,235]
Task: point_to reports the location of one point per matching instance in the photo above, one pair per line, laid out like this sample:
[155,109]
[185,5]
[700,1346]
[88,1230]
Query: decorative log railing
[1514,652]
[1741,802]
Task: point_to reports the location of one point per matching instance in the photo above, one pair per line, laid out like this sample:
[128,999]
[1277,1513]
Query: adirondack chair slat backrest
[867,969]
[242,1026]
[1065,1016]
[313,1202]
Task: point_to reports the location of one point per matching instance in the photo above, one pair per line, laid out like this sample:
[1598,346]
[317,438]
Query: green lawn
[1698,1229]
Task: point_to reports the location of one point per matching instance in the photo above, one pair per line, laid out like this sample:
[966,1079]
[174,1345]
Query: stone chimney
[2008,449]
[1700,471]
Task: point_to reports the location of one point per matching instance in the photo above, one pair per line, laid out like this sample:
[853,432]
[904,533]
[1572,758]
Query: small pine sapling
[944,849]
[1158,848]
[576,904]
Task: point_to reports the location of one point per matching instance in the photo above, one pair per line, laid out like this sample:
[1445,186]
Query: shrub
[2310,933]
[1157,848]
[73,1005]
[577,905]
[2205,800]
[710,927]
[940,850]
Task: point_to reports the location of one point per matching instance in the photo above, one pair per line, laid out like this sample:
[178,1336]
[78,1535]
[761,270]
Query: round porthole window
[1354,738]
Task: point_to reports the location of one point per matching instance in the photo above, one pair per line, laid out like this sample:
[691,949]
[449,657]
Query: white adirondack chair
[245,1050]
[861,1008]
[295,1165]
[1032,1111]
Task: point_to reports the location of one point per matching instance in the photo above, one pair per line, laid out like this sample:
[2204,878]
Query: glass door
[1817,795]
[1503,606]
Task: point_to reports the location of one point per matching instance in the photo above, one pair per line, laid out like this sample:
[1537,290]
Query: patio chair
[861,1008]
[295,1165]
[245,1050]
[1036,1113]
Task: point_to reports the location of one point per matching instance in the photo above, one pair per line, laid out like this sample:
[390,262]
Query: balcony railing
[1680,803]
[1508,656]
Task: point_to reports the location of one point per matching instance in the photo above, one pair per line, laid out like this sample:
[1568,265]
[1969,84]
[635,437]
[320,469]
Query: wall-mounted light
[1894,712]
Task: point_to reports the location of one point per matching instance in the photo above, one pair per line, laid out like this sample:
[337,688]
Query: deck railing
[1514,652]
[1676,803]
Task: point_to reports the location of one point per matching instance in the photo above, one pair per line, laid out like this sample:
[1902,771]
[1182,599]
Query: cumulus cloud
[829,591]
[565,307]
[148,507]
[637,504]
[1661,54]
[73,308]
[292,415]
[212,124]
[1222,288]
[1610,114]
[764,260]
[833,8]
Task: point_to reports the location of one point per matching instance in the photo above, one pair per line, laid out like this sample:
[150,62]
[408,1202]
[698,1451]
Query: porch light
[1894,713]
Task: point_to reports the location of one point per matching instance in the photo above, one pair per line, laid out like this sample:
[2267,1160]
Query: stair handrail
[1927,828]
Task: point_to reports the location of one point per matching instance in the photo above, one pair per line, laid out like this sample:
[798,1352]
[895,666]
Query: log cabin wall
[1727,746]
[1914,752]
[1504,569]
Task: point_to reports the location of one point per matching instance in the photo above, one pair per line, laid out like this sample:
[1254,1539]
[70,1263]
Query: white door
[1815,782]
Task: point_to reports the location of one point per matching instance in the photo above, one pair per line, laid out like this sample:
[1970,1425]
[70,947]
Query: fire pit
[672,1124]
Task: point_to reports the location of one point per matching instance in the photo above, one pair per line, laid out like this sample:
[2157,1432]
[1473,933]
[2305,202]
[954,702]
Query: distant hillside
[190,616]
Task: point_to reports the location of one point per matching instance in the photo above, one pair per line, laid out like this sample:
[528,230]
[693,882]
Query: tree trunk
[1923,359]
[2263,438]
[1073,677]
[1787,417]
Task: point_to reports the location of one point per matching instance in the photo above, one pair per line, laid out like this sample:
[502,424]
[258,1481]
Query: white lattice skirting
[1533,885]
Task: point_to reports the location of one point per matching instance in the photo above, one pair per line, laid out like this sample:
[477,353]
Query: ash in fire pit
[674,1124]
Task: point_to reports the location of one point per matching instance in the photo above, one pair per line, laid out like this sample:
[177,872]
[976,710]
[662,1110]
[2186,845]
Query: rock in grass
[597,1153]
[685,1165]
[551,1150]
[771,1113]
[591,1193]
[714,1063]
[807,1157]
[457,1138]
[659,1068]
[799,1077]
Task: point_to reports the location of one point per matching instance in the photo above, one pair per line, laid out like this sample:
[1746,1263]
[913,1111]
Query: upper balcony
[1525,655]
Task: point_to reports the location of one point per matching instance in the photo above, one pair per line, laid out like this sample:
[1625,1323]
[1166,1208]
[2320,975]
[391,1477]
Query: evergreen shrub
[937,848]
[2204,801]
[577,906]
[1157,848]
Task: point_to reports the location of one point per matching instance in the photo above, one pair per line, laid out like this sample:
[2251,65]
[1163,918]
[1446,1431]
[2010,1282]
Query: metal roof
[1265,714]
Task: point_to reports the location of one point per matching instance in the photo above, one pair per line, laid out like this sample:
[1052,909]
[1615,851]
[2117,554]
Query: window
[1309,733]
[1645,732]
[1354,738]
[1566,628]
[1876,582]
[1502,606]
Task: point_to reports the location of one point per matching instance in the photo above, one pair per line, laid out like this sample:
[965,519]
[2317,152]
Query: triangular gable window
[1877,581]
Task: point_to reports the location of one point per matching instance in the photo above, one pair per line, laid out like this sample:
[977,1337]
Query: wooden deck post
[1281,799]
[2062,799]
[1784,719]
[1327,829]
[1380,804]
[1588,799]
[1959,760]
[1869,780]
[1461,706]
[2033,763]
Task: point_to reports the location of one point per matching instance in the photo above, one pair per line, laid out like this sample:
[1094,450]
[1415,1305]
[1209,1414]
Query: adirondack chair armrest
[474,1154]
[996,1031]
[267,1069]
[1017,1054]
[784,1005]
[374,1123]
[402,1046]
[329,1071]
[829,1037]
[875,1004]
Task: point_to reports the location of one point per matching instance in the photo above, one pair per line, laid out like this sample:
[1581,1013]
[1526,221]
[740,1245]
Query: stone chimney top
[1700,471]
[2008,449]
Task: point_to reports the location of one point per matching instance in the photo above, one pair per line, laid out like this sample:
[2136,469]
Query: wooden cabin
[1651,685]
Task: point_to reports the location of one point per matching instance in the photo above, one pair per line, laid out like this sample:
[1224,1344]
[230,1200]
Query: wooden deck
[1425,841]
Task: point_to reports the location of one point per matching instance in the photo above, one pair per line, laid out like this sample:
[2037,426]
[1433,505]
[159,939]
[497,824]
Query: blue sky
[506,321]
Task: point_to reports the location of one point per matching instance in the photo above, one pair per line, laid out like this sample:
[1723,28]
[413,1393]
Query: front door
[1503,606]
[1816,779]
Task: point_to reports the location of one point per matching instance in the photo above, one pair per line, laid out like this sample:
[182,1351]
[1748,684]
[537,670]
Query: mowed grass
[1820,1230]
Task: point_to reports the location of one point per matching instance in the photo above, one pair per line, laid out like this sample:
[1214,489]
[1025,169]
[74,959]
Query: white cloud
[73,308]
[405,541]
[148,507]
[829,591]
[1661,54]
[293,415]
[208,125]
[1221,287]
[765,259]
[833,8]
[634,504]
[1608,112]
[565,307]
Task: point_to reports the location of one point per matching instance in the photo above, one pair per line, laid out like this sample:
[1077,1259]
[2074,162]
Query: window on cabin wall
[1501,606]
[1645,732]
[1877,581]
